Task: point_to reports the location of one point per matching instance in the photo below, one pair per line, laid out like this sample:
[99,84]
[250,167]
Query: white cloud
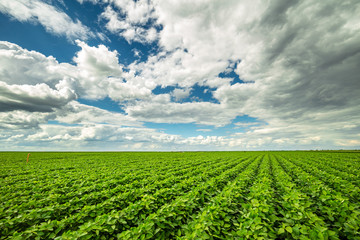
[203,130]
[92,1]
[100,137]
[98,61]
[21,66]
[95,75]
[53,19]
[299,59]
[38,98]
[129,20]
[76,113]
[94,66]
[179,93]
[349,142]
[245,124]
[284,48]
[99,75]
[201,140]
[169,112]
[122,91]
[22,120]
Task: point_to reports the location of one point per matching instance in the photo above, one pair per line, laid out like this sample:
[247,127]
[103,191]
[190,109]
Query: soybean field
[180,195]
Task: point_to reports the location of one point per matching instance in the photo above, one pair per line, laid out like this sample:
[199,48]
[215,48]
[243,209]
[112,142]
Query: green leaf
[289,229]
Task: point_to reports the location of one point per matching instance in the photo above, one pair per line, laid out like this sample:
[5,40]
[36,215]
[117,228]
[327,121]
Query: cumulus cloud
[129,19]
[165,111]
[96,72]
[126,91]
[38,98]
[100,74]
[201,140]
[76,113]
[100,137]
[36,89]
[21,66]
[20,120]
[98,61]
[204,130]
[297,61]
[33,82]
[51,18]
[94,66]
[179,93]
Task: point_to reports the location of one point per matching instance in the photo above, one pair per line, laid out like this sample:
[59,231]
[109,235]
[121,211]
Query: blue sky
[152,75]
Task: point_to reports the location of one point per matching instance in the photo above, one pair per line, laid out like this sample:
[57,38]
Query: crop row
[216,195]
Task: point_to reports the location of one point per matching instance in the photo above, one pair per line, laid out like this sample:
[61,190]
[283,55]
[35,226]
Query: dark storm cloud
[275,14]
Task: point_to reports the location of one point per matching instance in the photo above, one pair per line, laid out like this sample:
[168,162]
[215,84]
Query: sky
[179,75]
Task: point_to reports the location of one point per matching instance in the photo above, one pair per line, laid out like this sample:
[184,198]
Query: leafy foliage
[191,195]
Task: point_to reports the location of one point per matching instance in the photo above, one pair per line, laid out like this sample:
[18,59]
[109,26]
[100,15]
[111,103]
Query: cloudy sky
[179,75]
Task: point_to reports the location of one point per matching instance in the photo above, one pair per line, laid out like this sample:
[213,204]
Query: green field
[190,195]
